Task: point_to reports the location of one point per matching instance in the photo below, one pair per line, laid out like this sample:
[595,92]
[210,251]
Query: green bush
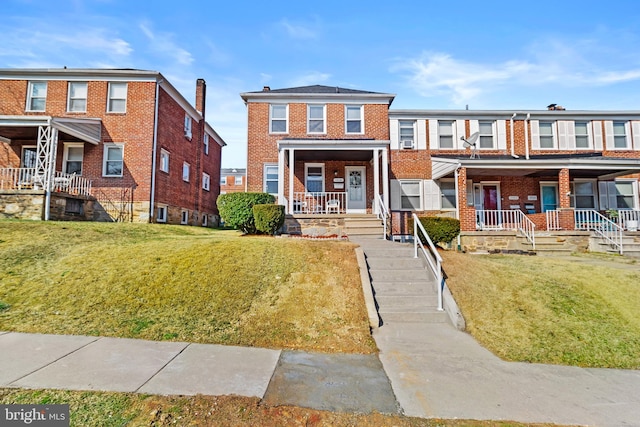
[236,209]
[268,218]
[439,229]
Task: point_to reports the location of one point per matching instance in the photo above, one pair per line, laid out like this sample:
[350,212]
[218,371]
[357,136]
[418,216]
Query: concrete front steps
[363,226]
[548,244]
[404,289]
[630,245]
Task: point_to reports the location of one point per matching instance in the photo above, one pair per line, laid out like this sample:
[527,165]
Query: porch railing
[319,203]
[28,179]
[588,219]
[625,216]
[553,220]
[513,219]
[434,260]
[382,213]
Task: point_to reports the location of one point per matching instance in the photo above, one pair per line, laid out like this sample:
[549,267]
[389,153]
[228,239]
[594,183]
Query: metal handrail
[382,213]
[588,219]
[434,260]
[513,219]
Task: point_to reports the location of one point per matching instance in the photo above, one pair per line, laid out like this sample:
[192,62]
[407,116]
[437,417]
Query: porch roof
[25,128]
[333,149]
[583,166]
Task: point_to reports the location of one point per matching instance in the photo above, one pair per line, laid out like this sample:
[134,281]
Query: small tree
[268,218]
[439,229]
[236,209]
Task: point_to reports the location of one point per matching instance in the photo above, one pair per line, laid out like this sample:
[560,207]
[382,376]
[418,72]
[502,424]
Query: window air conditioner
[407,144]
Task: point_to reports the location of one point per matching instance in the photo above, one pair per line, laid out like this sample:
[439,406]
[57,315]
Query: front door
[491,217]
[356,189]
[549,197]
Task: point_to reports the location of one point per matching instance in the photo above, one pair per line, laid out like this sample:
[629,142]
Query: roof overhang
[326,98]
[333,149]
[23,127]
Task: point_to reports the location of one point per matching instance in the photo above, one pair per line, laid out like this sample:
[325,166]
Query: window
[72,160]
[73,207]
[223,180]
[315,119]
[410,195]
[546,135]
[278,121]
[206,144]
[448,194]
[237,180]
[445,132]
[37,96]
[113,163]
[184,217]
[161,213]
[205,220]
[618,194]
[186,169]
[206,181]
[583,194]
[117,102]
[619,135]
[164,160]
[77,97]
[354,119]
[485,139]
[582,134]
[271,179]
[187,126]
[314,177]
[406,133]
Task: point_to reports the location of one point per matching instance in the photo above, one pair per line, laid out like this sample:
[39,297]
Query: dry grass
[580,310]
[88,409]
[181,284]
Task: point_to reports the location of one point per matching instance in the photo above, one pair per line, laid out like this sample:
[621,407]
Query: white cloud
[299,31]
[163,44]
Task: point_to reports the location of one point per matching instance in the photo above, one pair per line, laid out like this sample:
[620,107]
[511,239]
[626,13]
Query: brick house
[324,150]
[233,180]
[105,145]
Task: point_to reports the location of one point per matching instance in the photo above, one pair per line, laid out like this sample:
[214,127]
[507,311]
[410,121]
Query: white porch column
[292,168]
[385,177]
[281,159]
[376,178]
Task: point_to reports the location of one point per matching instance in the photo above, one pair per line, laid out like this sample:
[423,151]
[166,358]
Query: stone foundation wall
[313,225]
[71,208]
[25,204]
[488,240]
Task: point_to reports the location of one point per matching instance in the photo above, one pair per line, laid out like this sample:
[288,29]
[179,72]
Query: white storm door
[356,189]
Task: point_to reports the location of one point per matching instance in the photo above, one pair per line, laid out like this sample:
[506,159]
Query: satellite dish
[471,142]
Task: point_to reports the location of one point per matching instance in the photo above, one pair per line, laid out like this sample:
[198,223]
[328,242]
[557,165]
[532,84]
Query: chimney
[201,96]
[551,107]
[266,89]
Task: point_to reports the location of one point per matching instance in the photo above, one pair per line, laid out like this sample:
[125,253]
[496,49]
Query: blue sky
[584,55]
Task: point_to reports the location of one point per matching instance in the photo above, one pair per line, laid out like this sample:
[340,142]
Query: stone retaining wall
[314,225]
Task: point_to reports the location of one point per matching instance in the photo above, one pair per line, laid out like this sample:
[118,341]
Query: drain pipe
[526,136]
[152,198]
[513,143]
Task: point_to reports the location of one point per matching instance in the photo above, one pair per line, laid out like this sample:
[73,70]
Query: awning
[25,127]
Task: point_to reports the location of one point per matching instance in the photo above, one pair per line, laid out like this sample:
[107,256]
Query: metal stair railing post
[435,263]
[382,213]
[528,228]
[588,219]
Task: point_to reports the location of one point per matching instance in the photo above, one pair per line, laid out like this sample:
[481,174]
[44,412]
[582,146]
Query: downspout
[455,175]
[152,199]
[513,143]
[526,136]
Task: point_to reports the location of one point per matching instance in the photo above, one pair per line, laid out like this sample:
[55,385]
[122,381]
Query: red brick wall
[235,184]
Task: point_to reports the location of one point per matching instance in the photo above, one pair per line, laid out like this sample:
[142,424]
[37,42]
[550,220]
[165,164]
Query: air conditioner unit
[407,144]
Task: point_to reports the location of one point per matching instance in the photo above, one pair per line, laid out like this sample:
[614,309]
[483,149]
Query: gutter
[152,198]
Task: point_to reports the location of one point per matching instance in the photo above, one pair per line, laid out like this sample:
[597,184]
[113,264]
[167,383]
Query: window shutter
[433,134]
[459,131]
[394,128]
[635,130]
[421,135]
[535,134]
[597,135]
[469,193]
[608,134]
[394,189]
[432,196]
[571,135]
[501,130]
[562,135]
[602,190]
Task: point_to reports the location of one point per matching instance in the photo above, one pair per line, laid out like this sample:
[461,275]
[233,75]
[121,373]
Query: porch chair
[333,205]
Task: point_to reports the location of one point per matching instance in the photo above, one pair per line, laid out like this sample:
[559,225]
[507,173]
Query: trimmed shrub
[439,229]
[268,218]
[236,209]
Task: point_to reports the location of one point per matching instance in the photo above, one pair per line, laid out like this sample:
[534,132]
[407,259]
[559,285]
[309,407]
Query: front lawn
[178,283]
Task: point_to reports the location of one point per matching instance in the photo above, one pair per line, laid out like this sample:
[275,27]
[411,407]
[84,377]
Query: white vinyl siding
[77,97]
[117,98]
[37,96]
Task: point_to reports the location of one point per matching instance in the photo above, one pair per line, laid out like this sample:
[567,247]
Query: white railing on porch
[434,260]
[588,219]
[382,213]
[28,179]
[513,219]
[553,220]
[319,203]
[625,216]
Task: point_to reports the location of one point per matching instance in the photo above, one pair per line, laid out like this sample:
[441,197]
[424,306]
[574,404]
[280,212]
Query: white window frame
[31,97]
[184,217]
[165,158]
[481,135]
[205,142]
[594,195]
[108,147]
[162,212]
[554,136]
[625,126]
[71,97]
[206,181]
[273,119]
[306,176]
[223,180]
[237,180]
[188,125]
[265,181]
[65,156]
[453,135]
[324,118]
[205,220]
[111,98]
[588,134]
[360,119]
[403,195]
[609,191]
[186,171]
[404,141]
[442,195]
